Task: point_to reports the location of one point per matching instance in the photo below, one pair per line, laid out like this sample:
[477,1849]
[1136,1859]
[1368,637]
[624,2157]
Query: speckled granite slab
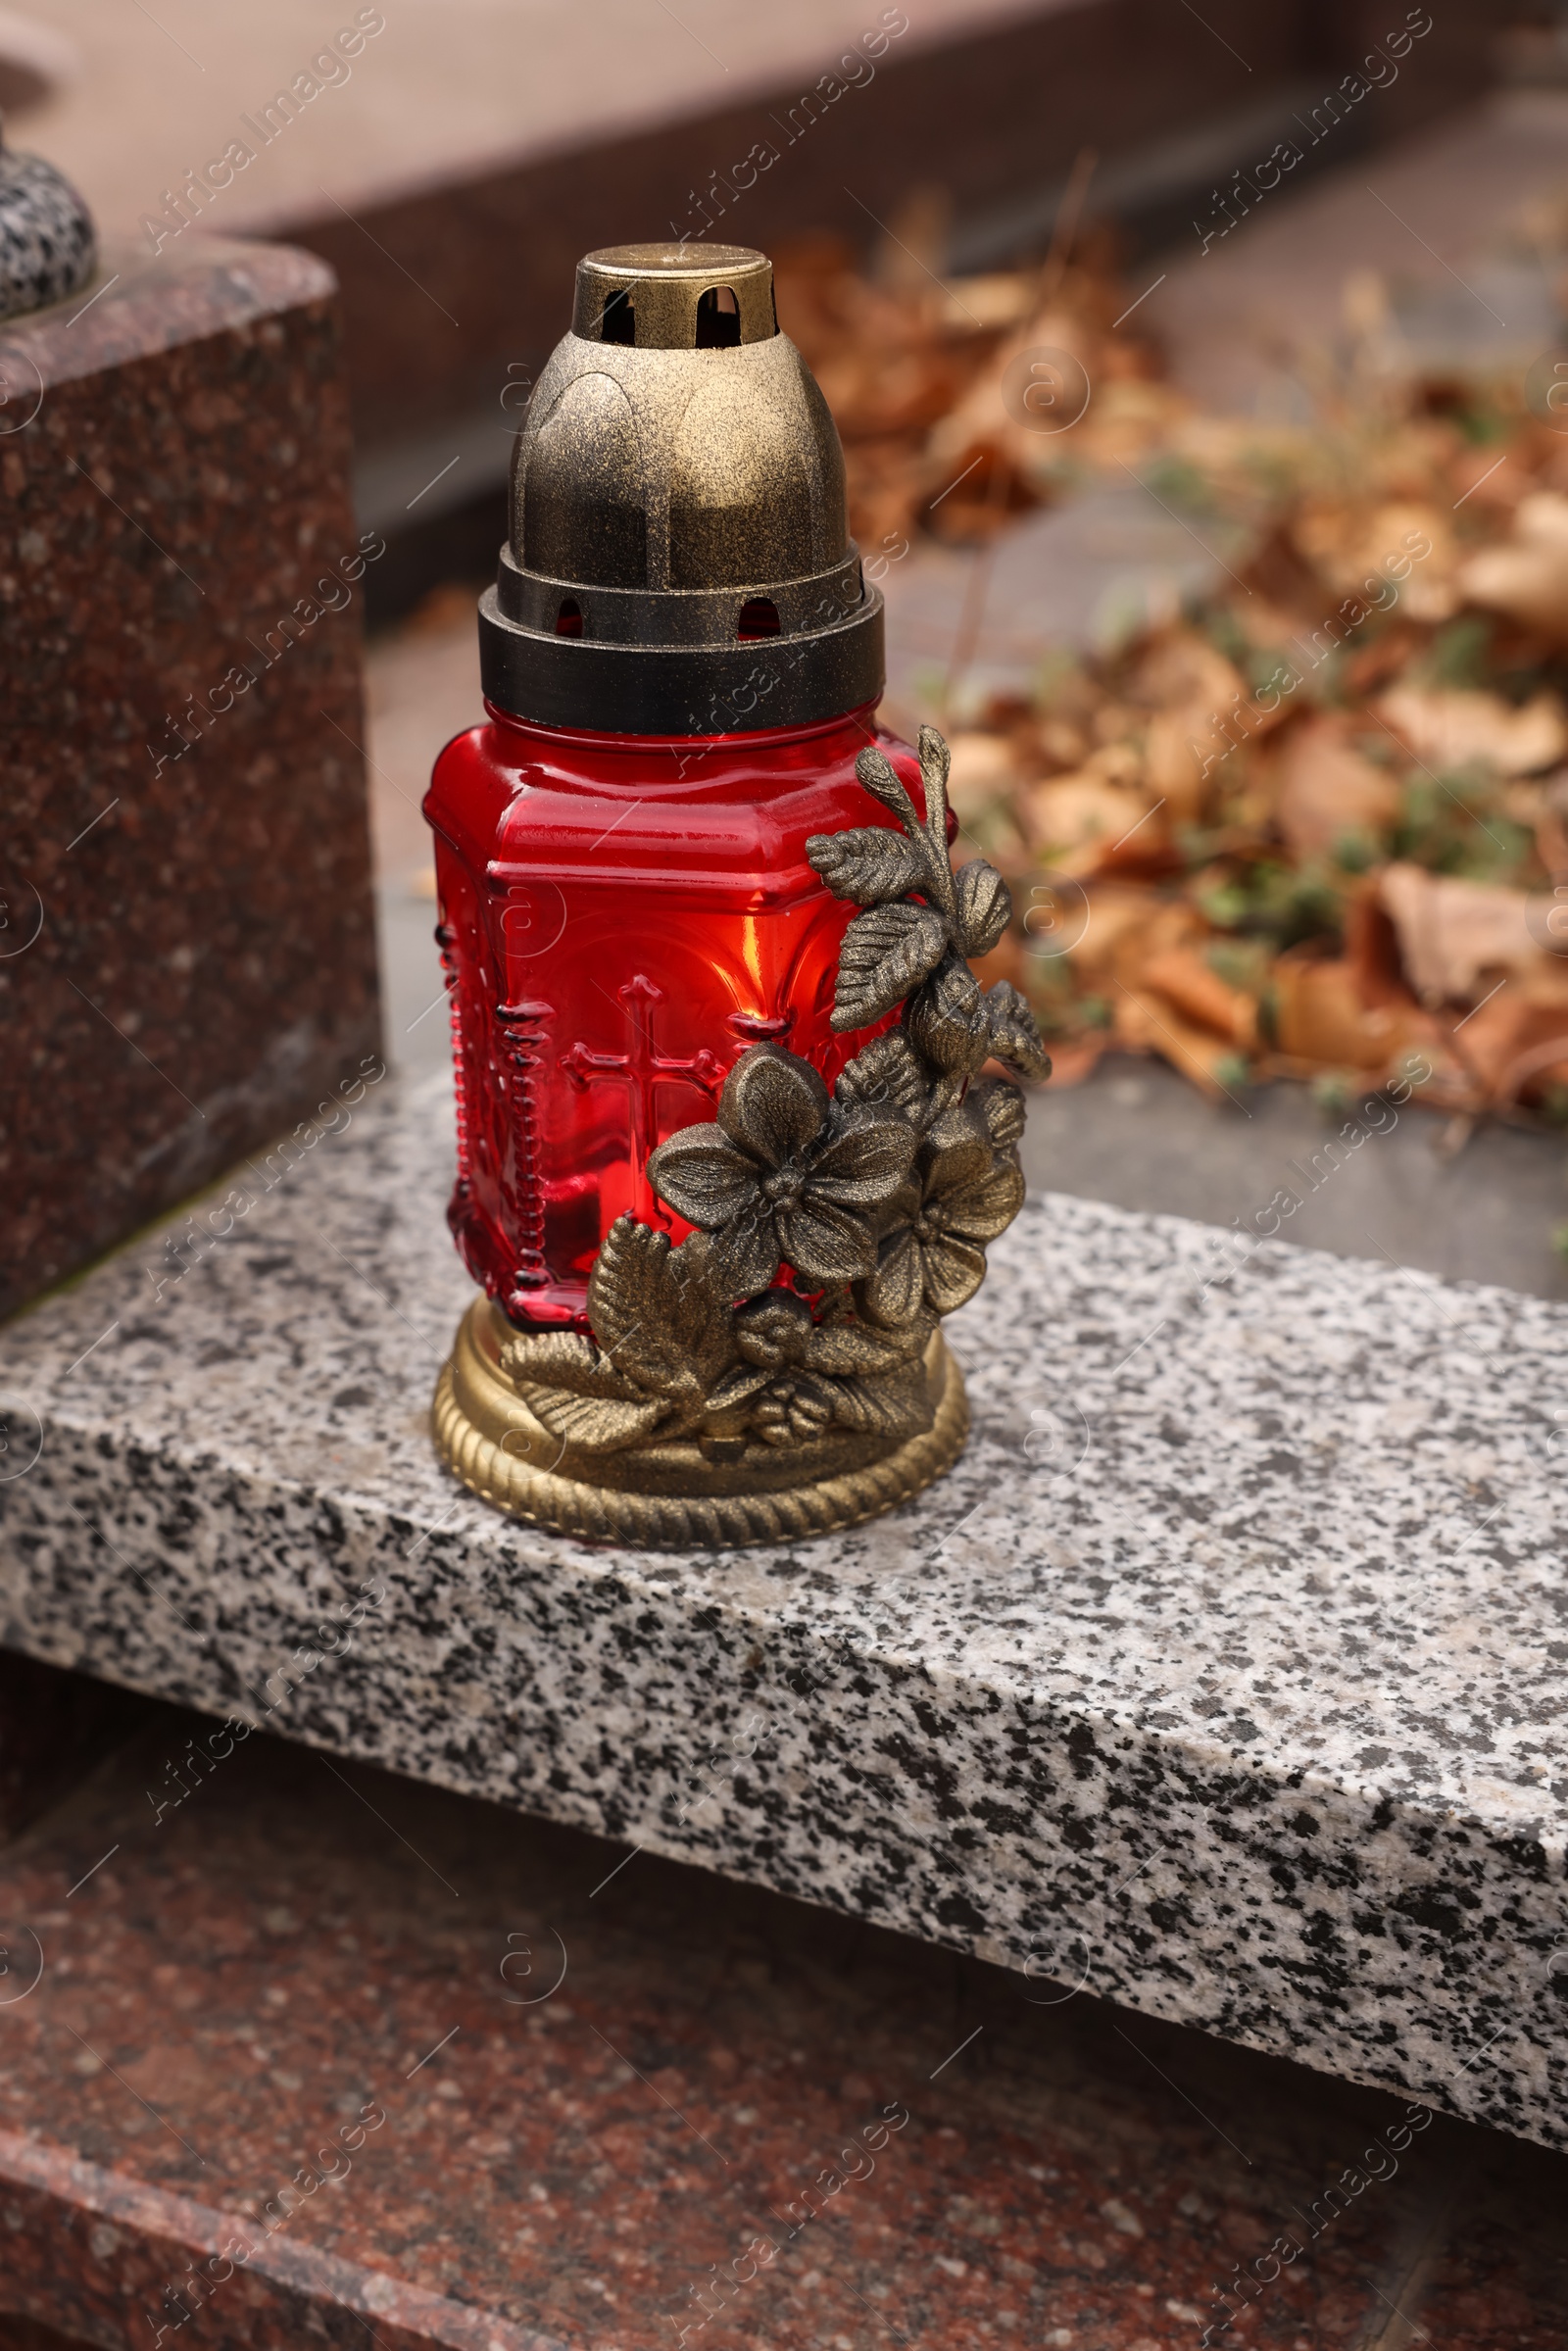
[1222,1677]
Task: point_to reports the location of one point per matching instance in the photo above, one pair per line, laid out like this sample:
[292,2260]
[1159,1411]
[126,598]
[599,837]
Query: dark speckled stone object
[187,958]
[47,247]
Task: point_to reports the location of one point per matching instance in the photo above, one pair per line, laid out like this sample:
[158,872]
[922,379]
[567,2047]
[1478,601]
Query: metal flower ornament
[785,1175]
[831,1230]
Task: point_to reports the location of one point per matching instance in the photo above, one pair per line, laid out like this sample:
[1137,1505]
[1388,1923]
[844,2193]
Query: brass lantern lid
[679,558]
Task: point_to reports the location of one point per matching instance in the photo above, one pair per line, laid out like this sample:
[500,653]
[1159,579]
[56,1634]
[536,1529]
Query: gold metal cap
[679,558]
[675,297]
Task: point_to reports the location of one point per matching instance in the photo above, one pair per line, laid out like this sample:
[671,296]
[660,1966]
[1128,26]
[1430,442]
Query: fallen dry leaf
[1007,960]
[1148,1023]
[1452,730]
[1185,982]
[1180,665]
[1550,820]
[1319,1017]
[1355,549]
[1188,687]
[1458,938]
[1527,578]
[1512,1045]
[1179,758]
[1121,916]
[1000,414]
[1164,926]
[1071,1063]
[1326,791]
[1118,765]
[982,770]
[1075,821]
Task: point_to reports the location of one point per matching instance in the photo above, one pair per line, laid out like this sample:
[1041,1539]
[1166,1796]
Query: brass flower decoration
[962,1193]
[784,1175]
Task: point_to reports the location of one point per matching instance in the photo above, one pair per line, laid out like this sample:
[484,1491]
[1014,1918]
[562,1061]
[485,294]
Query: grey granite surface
[1222,1677]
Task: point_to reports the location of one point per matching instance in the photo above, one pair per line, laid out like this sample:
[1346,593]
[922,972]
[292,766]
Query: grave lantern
[732,1133]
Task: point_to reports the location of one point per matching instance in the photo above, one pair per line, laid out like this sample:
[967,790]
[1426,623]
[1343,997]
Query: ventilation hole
[568,620]
[718,319]
[758,618]
[618,322]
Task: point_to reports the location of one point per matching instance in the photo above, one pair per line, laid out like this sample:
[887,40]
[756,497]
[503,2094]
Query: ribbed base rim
[474,1412]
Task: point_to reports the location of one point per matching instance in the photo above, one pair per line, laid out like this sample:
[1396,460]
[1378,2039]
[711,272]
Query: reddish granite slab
[187,933]
[1496,2272]
[560,2099]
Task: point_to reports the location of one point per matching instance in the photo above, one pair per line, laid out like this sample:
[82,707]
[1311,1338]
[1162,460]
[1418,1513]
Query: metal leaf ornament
[924,923]
[663,1344]
[887,1072]
[831,1230]
[885,953]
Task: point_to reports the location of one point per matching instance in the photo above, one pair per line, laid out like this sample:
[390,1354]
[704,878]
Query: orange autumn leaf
[1512,1047]
[1319,1017]
[1458,730]
[1146,1023]
[1184,981]
[1458,938]
[1327,792]
[1527,577]
[1076,821]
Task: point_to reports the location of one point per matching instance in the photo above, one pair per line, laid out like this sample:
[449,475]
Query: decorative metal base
[680,1494]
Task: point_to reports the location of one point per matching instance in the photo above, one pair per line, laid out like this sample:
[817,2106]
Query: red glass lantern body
[621,917]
